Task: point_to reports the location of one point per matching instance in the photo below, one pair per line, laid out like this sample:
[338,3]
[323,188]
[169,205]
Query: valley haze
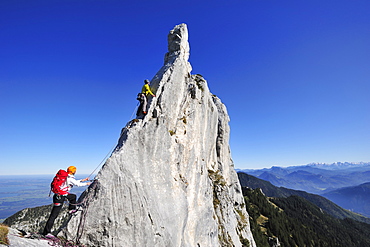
[14,189]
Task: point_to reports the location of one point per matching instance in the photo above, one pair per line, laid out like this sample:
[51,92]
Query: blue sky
[294,76]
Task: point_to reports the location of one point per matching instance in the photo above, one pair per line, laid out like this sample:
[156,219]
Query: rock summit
[171,180]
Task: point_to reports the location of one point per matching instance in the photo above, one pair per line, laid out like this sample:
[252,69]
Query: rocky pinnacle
[171,180]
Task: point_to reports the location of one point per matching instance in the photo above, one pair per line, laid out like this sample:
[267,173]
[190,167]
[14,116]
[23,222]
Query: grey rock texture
[15,240]
[171,180]
[34,219]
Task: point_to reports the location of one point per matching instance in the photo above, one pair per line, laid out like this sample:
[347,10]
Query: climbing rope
[52,240]
[134,111]
[55,241]
[111,150]
[59,242]
[85,206]
[103,160]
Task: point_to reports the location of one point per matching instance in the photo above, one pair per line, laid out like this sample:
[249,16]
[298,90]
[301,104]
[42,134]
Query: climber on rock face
[143,98]
[146,89]
[142,107]
[61,193]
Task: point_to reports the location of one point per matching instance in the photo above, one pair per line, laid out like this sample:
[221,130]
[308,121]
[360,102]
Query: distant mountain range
[326,205]
[286,217]
[315,178]
[355,198]
[278,217]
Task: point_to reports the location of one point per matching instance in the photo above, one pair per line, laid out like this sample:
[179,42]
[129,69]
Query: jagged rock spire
[171,180]
[178,43]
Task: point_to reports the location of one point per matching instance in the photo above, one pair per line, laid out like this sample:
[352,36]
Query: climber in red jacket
[60,197]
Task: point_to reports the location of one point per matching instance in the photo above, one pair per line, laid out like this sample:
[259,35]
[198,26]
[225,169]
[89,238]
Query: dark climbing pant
[58,204]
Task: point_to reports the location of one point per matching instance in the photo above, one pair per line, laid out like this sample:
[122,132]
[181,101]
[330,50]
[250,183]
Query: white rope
[134,111]
[111,150]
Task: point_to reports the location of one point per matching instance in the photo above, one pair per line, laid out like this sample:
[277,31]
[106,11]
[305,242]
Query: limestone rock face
[15,240]
[171,180]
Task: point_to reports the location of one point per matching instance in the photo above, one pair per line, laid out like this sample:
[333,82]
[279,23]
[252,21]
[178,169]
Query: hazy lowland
[24,191]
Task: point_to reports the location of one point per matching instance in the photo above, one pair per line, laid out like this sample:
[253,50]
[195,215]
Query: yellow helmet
[71,170]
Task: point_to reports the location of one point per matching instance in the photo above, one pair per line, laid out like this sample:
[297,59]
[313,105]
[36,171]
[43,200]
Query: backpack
[140,97]
[58,181]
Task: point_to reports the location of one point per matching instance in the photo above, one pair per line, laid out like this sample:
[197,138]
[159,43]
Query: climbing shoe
[49,235]
[72,211]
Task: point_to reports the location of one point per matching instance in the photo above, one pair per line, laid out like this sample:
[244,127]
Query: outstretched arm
[149,90]
[76,182]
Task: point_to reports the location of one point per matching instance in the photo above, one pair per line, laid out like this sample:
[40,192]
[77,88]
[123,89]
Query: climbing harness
[84,204]
[83,208]
[93,186]
[89,195]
